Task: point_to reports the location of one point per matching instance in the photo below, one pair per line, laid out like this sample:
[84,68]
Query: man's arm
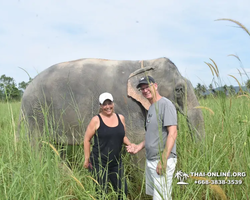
[131,147]
[172,135]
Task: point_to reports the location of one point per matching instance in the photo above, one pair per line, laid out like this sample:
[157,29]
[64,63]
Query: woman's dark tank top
[108,144]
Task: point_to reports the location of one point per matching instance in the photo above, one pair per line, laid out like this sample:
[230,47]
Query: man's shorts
[159,186]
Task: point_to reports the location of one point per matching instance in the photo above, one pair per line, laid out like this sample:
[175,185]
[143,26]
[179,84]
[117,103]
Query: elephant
[62,99]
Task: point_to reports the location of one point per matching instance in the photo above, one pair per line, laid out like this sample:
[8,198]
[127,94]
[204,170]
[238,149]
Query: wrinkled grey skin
[63,98]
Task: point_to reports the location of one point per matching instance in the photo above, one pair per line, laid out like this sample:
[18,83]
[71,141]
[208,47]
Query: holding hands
[133,148]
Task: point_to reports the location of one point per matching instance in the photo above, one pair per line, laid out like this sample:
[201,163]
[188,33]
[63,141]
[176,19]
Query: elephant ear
[132,83]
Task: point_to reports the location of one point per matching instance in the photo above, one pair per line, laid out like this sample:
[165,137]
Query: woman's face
[107,107]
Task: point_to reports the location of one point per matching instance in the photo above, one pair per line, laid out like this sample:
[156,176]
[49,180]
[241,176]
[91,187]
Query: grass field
[26,174]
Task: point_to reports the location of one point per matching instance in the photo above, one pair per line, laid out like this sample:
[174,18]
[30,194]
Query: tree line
[203,91]
[9,90]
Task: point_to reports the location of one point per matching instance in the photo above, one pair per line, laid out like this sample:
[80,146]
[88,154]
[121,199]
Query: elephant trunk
[194,119]
[196,123]
[194,115]
[187,105]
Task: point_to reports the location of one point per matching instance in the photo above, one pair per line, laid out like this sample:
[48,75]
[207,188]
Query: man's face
[148,90]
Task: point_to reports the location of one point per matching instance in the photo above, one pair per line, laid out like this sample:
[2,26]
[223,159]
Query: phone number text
[218,182]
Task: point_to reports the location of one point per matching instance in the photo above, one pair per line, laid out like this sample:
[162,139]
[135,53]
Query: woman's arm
[91,129]
[131,147]
[125,139]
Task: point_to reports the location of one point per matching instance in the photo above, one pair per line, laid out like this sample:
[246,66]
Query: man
[160,141]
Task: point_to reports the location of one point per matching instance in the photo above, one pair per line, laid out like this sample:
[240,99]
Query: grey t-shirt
[160,115]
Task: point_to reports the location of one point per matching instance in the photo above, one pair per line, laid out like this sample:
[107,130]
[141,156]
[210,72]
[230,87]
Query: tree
[197,90]
[203,89]
[248,84]
[23,85]
[232,90]
[8,88]
[198,87]
[225,88]
[200,90]
[211,88]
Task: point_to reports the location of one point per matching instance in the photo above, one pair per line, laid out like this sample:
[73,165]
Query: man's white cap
[104,96]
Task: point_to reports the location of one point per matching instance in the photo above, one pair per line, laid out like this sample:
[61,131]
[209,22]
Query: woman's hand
[86,164]
[132,148]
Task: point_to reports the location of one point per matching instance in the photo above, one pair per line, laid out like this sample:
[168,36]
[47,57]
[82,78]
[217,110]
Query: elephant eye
[179,90]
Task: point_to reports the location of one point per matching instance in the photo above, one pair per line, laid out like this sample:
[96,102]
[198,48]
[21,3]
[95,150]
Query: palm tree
[231,90]
[197,90]
[178,175]
[211,88]
[248,84]
[225,89]
[185,176]
[203,89]
[198,87]
[181,176]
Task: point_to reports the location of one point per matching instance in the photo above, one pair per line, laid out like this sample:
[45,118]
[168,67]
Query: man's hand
[133,148]
[161,167]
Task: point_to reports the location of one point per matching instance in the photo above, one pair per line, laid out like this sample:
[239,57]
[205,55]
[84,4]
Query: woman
[108,129]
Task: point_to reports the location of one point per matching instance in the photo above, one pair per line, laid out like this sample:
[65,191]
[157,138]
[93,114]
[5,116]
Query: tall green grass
[226,148]
[29,173]
[26,174]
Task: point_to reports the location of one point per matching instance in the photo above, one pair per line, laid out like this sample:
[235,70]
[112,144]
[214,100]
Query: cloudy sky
[37,34]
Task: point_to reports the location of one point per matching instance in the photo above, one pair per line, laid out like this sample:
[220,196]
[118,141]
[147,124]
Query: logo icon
[181,176]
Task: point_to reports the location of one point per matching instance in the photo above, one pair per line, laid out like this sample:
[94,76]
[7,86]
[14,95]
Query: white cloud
[37,34]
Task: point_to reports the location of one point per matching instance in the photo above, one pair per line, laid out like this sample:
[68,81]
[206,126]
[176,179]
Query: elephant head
[173,86]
